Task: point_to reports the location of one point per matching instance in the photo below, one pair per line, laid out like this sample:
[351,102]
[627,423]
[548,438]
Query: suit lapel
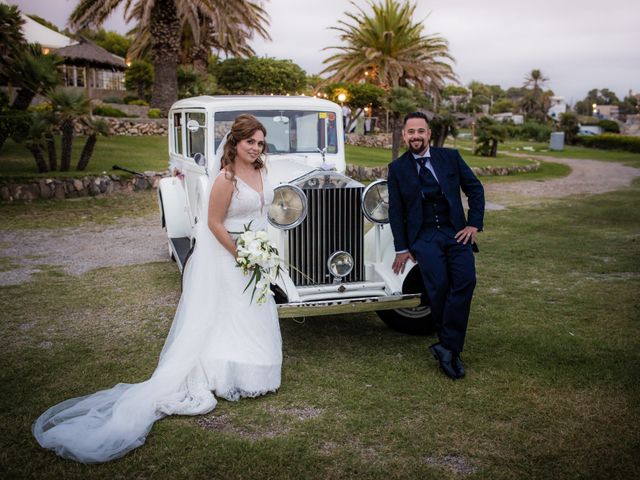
[437,162]
[410,169]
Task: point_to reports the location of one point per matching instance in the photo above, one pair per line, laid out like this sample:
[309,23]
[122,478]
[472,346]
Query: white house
[558,107]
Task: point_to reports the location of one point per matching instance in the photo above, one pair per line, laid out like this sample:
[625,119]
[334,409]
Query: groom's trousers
[449,275]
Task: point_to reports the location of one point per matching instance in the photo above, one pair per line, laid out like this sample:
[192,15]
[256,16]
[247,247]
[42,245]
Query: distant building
[557,108]
[590,130]
[607,112]
[516,118]
[85,64]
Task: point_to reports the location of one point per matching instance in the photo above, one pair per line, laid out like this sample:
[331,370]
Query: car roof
[240,102]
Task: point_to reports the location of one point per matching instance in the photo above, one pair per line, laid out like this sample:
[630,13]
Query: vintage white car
[331,231]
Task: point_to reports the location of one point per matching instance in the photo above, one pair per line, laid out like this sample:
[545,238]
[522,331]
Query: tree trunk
[396,135]
[67,142]
[494,148]
[51,151]
[87,151]
[36,151]
[165,49]
[141,95]
[23,99]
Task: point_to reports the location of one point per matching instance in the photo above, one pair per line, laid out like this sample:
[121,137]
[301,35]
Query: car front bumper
[347,305]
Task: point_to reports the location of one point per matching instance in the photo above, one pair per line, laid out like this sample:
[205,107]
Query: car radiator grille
[334,222]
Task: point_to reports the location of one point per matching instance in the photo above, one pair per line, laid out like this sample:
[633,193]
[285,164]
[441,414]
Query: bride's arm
[219,201]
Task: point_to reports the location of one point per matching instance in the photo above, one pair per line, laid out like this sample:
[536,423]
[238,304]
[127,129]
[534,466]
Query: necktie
[422,161]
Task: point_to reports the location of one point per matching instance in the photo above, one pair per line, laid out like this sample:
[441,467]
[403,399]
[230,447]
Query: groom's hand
[400,261]
[467,234]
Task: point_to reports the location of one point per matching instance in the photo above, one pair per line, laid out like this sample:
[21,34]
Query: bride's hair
[244,126]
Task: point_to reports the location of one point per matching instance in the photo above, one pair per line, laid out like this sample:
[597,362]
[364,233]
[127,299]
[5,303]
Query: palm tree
[235,44]
[33,72]
[68,106]
[11,37]
[535,79]
[164,21]
[35,139]
[389,48]
[96,127]
[534,103]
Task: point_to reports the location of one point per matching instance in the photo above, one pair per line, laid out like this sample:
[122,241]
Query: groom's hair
[411,115]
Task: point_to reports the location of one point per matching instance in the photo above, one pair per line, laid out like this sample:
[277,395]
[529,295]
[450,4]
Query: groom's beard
[419,148]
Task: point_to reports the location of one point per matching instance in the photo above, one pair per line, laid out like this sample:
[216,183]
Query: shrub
[611,141]
[154,113]
[129,98]
[143,103]
[489,133]
[106,111]
[569,125]
[111,100]
[539,132]
[609,126]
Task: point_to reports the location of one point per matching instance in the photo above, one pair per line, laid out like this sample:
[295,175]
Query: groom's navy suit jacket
[405,200]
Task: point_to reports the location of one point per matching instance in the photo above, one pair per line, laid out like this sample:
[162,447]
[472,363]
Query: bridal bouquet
[258,257]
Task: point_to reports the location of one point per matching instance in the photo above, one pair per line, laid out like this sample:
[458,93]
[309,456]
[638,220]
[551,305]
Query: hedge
[107,111]
[611,141]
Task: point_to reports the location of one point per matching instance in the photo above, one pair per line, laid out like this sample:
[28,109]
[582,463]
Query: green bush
[540,132]
[609,126]
[611,141]
[143,103]
[154,113]
[106,111]
[129,98]
[111,100]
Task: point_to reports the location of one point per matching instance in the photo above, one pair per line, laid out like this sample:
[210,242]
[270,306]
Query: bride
[220,341]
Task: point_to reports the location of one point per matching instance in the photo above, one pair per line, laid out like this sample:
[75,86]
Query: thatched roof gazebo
[92,67]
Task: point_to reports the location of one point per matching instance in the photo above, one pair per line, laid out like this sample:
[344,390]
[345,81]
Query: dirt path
[78,250]
[142,240]
[586,177]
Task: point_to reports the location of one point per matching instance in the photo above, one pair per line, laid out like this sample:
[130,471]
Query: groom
[429,226]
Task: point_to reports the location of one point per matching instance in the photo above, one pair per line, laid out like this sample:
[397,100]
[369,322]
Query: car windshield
[288,131]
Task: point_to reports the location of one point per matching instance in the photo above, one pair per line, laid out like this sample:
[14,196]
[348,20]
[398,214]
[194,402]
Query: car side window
[177,133]
[196,133]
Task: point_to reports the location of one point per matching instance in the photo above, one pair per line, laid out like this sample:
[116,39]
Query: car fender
[173,207]
[380,253]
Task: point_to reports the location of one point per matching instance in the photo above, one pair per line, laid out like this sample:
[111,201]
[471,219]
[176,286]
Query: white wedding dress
[220,343]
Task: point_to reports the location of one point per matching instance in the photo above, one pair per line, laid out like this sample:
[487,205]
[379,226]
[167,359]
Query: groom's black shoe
[458,366]
[445,359]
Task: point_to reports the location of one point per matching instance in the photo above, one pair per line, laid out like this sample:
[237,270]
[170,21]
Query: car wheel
[412,321]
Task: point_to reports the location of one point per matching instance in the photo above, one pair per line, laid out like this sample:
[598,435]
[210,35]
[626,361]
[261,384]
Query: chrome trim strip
[352,305]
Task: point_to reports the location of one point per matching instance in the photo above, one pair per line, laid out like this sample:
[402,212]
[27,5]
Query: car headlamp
[340,264]
[375,202]
[289,207]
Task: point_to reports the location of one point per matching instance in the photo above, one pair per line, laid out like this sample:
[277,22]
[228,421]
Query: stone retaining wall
[361,173]
[131,126]
[107,184]
[76,187]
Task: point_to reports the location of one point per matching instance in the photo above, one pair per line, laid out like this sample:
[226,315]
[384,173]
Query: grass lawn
[136,153]
[553,362]
[150,153]
[570,151]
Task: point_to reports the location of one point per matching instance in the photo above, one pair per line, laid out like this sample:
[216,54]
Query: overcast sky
[578,44]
